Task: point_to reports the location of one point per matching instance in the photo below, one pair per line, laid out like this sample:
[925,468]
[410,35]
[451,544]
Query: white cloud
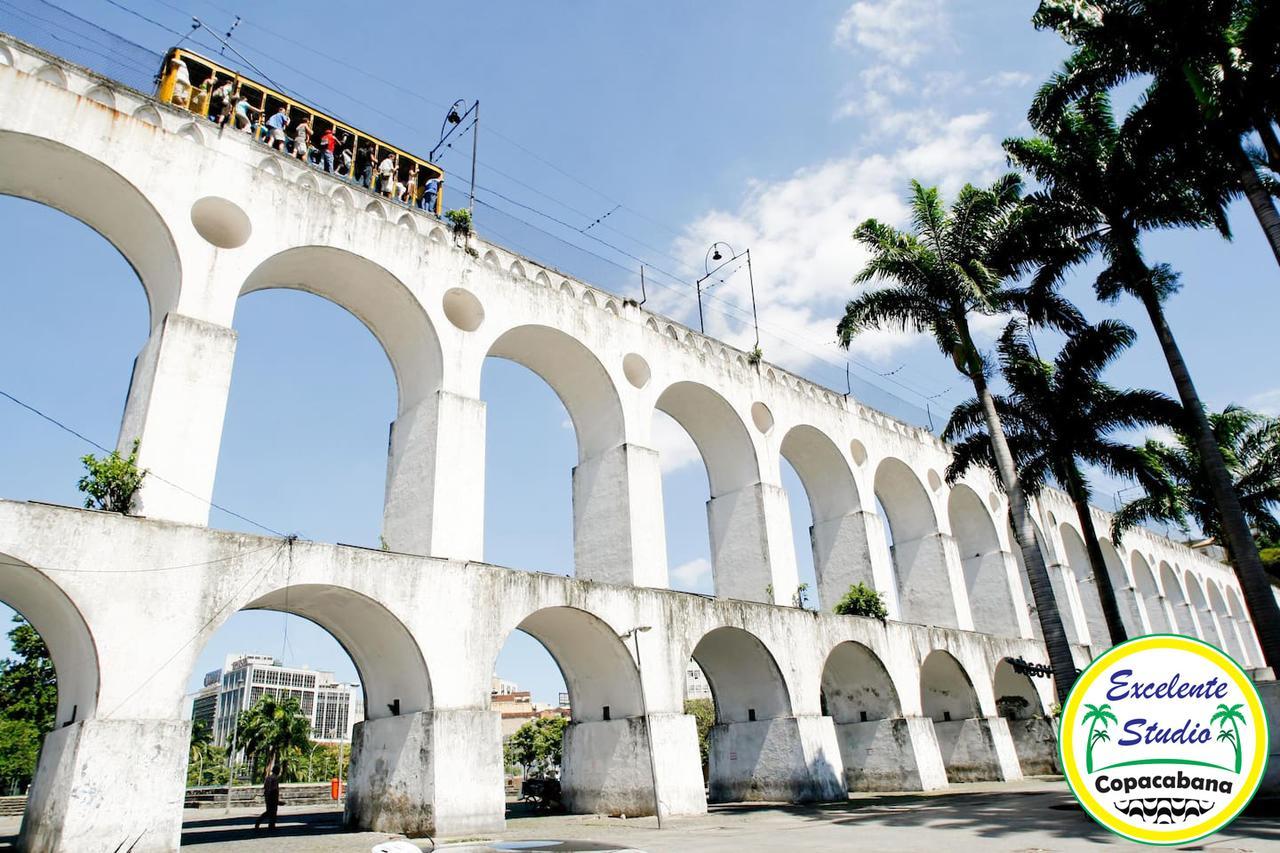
[675,448]
[1266,402]
[895,31]
[1006,80]
[695,573]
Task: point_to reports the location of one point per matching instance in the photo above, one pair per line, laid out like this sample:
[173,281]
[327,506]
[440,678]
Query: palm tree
[1229,715]
[1095,715]
[1210,65]
[953,266]
[273,727]
[1103,186]
[1250,444]
[1060,415]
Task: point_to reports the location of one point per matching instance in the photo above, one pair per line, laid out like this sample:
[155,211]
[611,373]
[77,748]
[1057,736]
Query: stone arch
[839,534]
[377,298]
[1218,605]
[986,575]
[59,623]
[102,95]
[589,298]
[1177,601]
[719,433]
[1019,703]
[604,766]
[377,209]
[437,234]
[1056,581]
[1076,558]
[1149,598]
[947,696]
[271,165]
[148,114]
[491,259]
[6,57]
[651,324]
[1200,607]
[192,132]
[746,682]
[52,74]
[542,279]
[578,378]
[308,182]
[1126,599]
[917,553]
[517,270]
[859,696]
[103,200]
[407,221]
[342,198]
[392,670]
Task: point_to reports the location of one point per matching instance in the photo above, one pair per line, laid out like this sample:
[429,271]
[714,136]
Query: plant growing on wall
[460,219]
[801,597]
[755,356]
[110,483]
[862,600]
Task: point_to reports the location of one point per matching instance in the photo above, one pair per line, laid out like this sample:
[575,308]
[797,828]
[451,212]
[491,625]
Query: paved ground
[1027,817]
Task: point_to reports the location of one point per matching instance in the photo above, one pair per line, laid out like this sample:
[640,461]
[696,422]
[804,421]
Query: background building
[332,708]
[695,683]
[517,706]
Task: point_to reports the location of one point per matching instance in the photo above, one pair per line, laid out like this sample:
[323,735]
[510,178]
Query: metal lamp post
[635,633]
[452,121]
[714,254]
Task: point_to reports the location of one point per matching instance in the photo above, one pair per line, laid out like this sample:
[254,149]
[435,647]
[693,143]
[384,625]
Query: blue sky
[687,123]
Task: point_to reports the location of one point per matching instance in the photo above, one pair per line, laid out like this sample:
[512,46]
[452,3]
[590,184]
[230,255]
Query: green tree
[1250,445]
[272,730]
[1059,416]
[951,267]
[111,482]
[703,712]
[537,746]
[1104,186]
[28,704]
[1209,74]
[862,600]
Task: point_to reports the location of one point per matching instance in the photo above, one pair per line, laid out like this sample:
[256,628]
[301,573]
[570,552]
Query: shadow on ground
[240,827]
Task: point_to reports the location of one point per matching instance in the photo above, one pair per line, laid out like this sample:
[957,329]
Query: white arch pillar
[751,547]
[843,555]
[175,409]
[618,532]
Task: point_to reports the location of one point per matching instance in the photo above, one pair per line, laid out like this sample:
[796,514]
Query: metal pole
[475,136]
[701,327]
[341,743]
[648,731]
[751,279]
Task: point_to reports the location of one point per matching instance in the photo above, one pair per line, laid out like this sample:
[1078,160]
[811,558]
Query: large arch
[605,766]
[838,535]
[57,620]
[1126,595]
[1183,623]
[985,574]
[383,303]
[947,697]
[578,378]
[83,187]
[1076,558]
[718,432]
[1056,581]
[1218,604]
[746,683]
[1018,701]
[919,560]
[876,746]
[1149,598]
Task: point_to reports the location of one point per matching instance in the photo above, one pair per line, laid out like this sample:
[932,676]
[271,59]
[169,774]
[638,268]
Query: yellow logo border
[1077,783]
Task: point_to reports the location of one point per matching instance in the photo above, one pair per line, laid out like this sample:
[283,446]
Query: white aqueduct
[808,705]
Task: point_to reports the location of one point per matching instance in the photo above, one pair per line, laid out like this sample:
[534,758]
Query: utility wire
[60,425]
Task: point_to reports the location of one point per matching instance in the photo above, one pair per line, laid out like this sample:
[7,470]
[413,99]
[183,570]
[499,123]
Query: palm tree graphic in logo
[1097,715]
[1231,716]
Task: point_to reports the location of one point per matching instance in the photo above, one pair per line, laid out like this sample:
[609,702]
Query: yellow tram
[192,82]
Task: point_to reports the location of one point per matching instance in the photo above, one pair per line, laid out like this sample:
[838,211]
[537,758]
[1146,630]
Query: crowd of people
[226,104]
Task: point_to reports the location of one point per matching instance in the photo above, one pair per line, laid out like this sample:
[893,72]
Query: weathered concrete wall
[891,755]
[977,750]
[391,787]
[606,768]
[1036,743]
[787,759]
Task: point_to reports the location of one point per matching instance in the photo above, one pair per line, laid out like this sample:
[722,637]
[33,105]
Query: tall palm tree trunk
[1260,199]
[1024,531]
[1101,577]
[1239,539]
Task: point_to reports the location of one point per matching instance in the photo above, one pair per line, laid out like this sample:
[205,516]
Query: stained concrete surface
[1026,817]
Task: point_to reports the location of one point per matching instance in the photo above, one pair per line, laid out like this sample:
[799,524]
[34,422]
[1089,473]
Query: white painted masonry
[809,705]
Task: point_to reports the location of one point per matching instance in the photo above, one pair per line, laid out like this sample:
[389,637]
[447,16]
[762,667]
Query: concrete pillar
[435,479]
[751,547]
[842,554]
[930,581]
[979,749]
[1021,607]
[788,759]
[176,405]
[1035,742]
[898,754]
[427,773]
[618,534]
[104,785]
[606,767]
